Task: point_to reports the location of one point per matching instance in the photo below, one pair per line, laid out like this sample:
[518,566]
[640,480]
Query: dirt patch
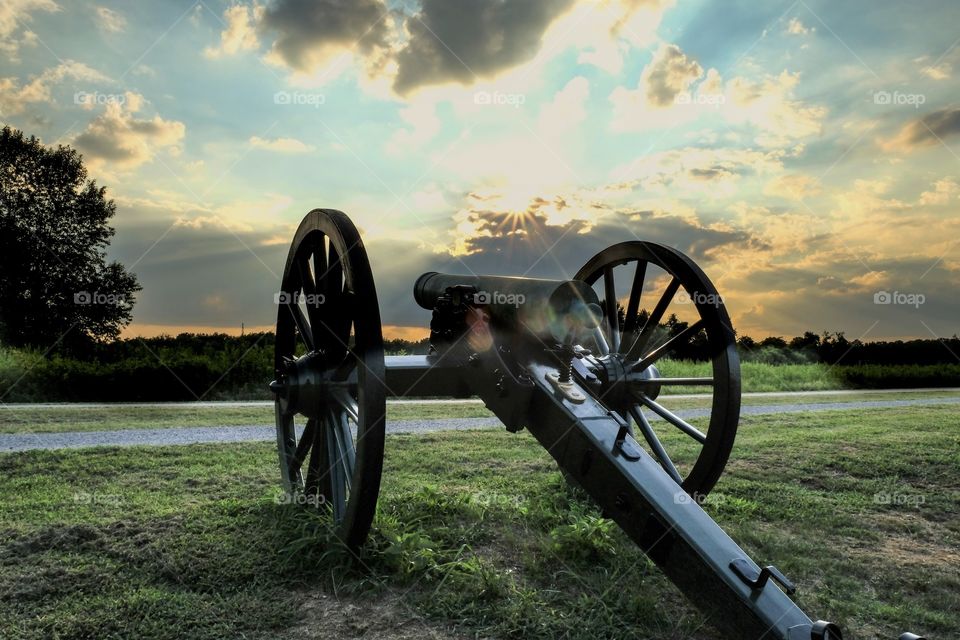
[380,617]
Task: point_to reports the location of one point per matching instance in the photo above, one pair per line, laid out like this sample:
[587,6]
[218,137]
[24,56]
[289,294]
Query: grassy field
[477,535]
[224,368]
[55,419]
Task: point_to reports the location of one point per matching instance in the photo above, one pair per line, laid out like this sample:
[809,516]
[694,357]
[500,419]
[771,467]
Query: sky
[804,153]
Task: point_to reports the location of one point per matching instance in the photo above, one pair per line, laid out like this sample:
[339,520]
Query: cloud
[944,190]
[668,74]
[942,67]
[424,124]
[14,13]
[281,145]
[567,109]
[654,103]
[667,98]
[793,187]
[929,130]
[109,20]
[118,138]
[796,28]
[769,106]
[475,38]
[240,31]
[698,171]
[309,33]
[14,98]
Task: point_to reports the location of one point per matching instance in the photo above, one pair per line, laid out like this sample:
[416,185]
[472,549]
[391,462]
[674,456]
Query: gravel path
[269,403]
[253,433]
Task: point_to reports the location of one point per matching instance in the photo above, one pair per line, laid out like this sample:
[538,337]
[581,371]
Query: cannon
[572,366]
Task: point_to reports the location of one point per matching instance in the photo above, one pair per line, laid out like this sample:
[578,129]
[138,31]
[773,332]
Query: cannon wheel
[339,328]
[639,342]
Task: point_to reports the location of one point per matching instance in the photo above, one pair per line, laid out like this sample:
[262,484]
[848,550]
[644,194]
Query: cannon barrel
[550,309]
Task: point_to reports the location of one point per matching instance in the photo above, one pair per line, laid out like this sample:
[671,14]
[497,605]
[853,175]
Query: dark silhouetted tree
[55,282]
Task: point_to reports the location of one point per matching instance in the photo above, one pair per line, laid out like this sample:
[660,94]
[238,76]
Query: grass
[53,419]
[758,376]
[57,419]
[476,535]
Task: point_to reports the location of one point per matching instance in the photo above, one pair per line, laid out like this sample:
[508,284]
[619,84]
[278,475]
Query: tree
[55,282]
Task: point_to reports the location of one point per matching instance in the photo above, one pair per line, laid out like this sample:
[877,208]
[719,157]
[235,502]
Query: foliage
[55,282]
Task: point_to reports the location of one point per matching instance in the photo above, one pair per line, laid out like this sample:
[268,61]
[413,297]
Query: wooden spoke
[633,306]
[335,470]
[303,447]
[655,445]
[640,343]
[669,345]
[610,298]
[303,326]
[674,419]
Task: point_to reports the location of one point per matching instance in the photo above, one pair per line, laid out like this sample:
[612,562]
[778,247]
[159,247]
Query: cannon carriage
[562,359]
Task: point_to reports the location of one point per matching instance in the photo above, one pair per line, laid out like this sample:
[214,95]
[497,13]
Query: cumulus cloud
[711,172]
[309,33]
[794,187]
[475,38]
[436,44]
[281,145]
[769,106]
[239,34]
[423,124]
[109,20]
[929,130]
[17,13]
[566,110]
[670,95]
[944,190]
[117,137]
[653,103]
[796,28]
[668,74]
[14,98]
